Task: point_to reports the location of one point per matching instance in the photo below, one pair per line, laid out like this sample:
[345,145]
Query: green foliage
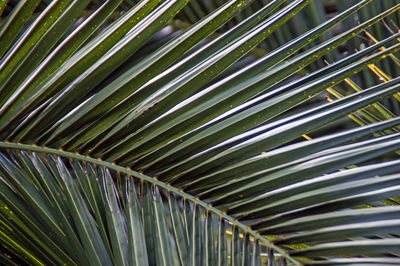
[178,133]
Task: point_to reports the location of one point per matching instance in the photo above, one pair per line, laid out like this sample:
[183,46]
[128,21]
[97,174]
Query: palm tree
[200,132]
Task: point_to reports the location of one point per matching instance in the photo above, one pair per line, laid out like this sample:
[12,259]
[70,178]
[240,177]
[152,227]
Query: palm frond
[171,133]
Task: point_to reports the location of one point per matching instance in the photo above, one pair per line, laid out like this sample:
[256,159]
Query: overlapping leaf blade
[206,138]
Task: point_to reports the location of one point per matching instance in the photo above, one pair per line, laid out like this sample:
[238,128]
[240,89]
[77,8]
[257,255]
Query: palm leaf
[171,133]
